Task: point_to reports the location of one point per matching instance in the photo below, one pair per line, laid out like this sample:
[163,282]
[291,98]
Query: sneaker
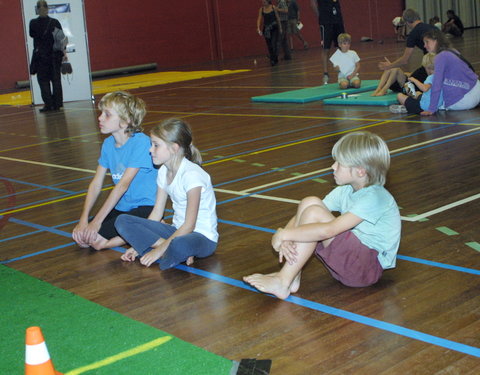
[409,89]
[397,108]
[325,78]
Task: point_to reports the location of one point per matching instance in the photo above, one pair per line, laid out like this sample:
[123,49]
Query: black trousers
[50,80]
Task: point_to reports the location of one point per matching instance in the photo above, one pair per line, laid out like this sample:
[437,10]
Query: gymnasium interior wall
[180,33]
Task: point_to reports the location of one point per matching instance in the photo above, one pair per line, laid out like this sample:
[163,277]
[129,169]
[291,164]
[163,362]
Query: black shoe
[46,109]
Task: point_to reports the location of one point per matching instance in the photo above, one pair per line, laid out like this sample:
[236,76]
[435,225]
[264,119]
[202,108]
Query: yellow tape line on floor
[127,83]
[117,357]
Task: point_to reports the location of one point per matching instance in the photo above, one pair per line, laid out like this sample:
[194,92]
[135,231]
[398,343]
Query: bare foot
[295,285]
[190,260]
[99,243]
[270,283]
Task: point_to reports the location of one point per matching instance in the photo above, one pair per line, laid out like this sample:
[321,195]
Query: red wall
[180,32]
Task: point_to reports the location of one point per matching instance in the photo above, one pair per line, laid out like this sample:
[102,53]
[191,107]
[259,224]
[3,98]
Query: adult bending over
[454,76]
[414,39]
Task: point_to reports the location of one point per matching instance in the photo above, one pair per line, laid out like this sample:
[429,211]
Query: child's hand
[90,232]
[277,240]
[288,250]
[426,113]
[78,235]
[129,255]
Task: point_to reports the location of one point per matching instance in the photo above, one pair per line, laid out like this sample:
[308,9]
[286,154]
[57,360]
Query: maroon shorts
[349,261]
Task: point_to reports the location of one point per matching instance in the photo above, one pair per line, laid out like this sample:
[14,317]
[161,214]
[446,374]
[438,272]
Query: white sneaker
[397,108]
[409,88]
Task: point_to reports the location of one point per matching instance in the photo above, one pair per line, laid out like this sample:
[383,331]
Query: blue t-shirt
[425,98]
[381,225]
[133,154]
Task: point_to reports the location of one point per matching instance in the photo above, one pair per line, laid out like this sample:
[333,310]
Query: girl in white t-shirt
[193,232]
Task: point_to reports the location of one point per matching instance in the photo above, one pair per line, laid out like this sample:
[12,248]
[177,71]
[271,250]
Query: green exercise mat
[85,338]
[364,98]
[311,94]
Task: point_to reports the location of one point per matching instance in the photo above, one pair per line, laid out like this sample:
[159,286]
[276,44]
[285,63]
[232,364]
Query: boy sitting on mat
[355,246]
[346,62]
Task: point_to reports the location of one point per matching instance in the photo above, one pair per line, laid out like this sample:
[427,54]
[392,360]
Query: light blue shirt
[381,225]
[133,154]
[425,98]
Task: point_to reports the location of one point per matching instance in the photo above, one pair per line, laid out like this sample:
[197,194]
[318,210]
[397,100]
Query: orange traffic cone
[37,359]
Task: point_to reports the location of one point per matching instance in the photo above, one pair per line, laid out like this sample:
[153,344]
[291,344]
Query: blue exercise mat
[364,98]
[311,94]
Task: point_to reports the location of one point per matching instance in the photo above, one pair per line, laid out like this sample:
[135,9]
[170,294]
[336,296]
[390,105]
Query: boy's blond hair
[344,37]
[130,109]
[364,150]
[428,60]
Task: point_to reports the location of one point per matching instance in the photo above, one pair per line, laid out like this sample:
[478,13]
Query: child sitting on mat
[355,246]
[346,62]
[421,101]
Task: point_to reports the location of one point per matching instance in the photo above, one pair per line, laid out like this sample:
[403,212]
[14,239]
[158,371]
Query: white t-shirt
[345,61]
[189,176]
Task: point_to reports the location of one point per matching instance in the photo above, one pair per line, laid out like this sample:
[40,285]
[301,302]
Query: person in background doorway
[49,61]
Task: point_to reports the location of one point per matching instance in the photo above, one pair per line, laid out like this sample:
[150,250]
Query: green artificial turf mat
[364,98]
[80,333]
[311,94]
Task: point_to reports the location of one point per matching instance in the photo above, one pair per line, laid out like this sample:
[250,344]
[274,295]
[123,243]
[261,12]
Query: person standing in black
[330,19]
[271,30]
[50,61]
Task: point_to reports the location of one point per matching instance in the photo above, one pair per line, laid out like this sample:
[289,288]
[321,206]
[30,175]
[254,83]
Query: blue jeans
[142,233]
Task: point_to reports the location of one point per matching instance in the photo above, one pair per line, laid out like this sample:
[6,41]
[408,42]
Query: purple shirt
[453,77]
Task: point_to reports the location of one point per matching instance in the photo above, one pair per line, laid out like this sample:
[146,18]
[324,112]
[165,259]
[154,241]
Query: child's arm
[422,86]
[313,232]
[159,207]
[355,72]
[115,195]
[193,204]
[94,189]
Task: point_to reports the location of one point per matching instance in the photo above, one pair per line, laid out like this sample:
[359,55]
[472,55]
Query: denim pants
[142,233]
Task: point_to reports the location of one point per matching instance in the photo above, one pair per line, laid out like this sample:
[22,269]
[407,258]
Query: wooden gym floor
[423,317]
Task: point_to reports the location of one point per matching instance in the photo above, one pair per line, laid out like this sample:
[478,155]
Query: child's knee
[343,84]
[309,201]
[122,221]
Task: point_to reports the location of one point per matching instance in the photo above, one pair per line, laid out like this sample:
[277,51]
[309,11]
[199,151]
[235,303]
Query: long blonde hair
[175,130]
